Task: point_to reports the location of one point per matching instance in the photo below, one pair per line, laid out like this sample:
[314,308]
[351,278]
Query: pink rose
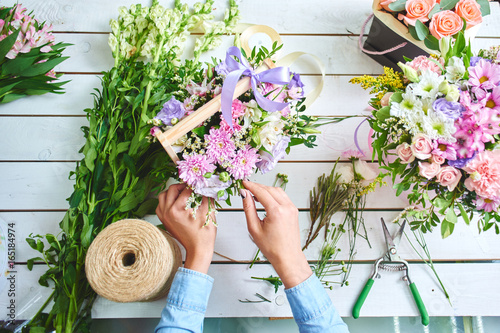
[421,146]
[428,170]
[438,159]
[449,176]
[445,23]
[470,11]
[385,100]
[405,153]
[484,174]
[385,4]
[417,10]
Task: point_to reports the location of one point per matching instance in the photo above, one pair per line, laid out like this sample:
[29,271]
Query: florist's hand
[278,234]
[198,240]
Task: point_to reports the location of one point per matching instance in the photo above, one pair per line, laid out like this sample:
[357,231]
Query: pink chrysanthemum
[243,163]
[484,75]
[220,147]
[193,168]
[488,205]
[225,126]
[491,100]
[444,149]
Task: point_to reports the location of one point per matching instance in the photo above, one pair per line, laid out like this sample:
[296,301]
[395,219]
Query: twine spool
[132,261]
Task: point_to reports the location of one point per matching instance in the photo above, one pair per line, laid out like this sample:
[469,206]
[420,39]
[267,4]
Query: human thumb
[253,221]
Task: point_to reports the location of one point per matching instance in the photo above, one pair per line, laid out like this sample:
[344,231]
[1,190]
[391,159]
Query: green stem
[255,258]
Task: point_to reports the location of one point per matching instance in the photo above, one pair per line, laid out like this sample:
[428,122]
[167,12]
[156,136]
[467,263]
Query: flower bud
[224,176]
[409,72]
[174,121]
[208,175]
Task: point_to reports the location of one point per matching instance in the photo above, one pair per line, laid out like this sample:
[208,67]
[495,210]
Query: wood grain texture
[473,289]
[42,186]
[323,17]
[233,240]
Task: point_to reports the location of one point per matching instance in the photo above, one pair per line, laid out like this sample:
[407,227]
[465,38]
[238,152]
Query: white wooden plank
[77,97]
[329,17]
[41,186]
[234,242]
[349,99]
[472,287]
[60,138]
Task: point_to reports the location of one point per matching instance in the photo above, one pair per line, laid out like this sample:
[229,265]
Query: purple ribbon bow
[278,75]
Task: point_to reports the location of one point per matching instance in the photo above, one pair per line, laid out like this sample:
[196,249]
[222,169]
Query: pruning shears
[392,262]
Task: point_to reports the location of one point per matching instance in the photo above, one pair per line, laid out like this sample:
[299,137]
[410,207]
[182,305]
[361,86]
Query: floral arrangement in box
[439,121]
[252,134]
[431,20]
[28,55]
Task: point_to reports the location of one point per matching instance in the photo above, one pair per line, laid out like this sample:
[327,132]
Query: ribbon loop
[236,69]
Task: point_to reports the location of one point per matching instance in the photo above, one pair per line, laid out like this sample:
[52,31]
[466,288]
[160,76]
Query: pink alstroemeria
[41,37]
[2,23]
[484,75]
[444,149]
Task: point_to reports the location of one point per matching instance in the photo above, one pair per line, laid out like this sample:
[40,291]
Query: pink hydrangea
[422,63]
[193,168]
[220,146]
[484,174]
[244,162]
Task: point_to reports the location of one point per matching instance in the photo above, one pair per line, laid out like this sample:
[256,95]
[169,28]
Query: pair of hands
[277,235]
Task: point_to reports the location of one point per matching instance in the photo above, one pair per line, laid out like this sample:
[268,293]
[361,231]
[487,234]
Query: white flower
[428,87]
[410,104]
[270,132]
[436,126]
[346,173]
[364,170]
[252,114]
[455,70]
[113,43]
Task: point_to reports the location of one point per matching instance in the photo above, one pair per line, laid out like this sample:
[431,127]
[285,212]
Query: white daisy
[428,87]
[437,127]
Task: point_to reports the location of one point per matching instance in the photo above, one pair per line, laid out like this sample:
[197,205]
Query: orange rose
[385,4]
[470,10]
[417,10]
[445,23]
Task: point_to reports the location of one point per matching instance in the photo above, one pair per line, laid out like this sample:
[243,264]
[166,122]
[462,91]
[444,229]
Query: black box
[382,38]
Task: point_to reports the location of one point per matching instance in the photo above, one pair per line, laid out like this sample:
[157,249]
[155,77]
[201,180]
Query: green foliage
[274,280]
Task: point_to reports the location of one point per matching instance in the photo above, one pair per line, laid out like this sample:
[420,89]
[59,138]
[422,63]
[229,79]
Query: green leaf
[129,163]
[42,68]
[76,197]
[446,228]
[129,202]
[147,207]
[90,158]
[383,113]
[31,243]
[421,29]
[396,97]
[200,131]
[439,202]
[39,245]
[431,42]
[451,216]
[485,7]
[70,275]
[31,261]
[413,32]
[459,44]
[86,234]
[37,329]
[398,6]
[435,10]
[7,43]
[448,4]
[463,213]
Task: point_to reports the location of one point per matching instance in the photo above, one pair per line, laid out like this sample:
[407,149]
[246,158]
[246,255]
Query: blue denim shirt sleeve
[186,303]
[313,309]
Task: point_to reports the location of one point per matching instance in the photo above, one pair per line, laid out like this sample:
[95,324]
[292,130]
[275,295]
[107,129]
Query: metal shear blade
[392,242]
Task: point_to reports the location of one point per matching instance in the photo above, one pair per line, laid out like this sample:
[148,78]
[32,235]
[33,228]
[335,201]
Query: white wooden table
[40,139]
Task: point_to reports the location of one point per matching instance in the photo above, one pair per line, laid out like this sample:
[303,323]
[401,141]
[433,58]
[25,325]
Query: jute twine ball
[132,261]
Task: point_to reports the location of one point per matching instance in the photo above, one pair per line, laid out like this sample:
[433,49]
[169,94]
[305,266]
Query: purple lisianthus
[211,187]
[295,81]
[268,161]
[171,109]
[474,60]
[461,162]
[296,87]
[451,110]
[222,69]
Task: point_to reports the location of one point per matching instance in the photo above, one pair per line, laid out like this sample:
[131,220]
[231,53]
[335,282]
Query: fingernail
[243,193]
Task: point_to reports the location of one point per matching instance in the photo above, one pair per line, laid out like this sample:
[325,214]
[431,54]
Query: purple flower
[295,81]
[461,162]
[451,110]
[474,60]
[193,168]
[296,87]
[269,161]
[211,187]
[220,146]
[171,109]
[222,69]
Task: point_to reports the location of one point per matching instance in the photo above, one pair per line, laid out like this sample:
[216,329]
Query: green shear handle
[414,291]
[420,304]
[362,297]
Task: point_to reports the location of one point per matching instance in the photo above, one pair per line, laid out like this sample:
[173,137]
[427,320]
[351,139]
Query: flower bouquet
[422,23]
[28,55]
[252,133]
[440,120]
